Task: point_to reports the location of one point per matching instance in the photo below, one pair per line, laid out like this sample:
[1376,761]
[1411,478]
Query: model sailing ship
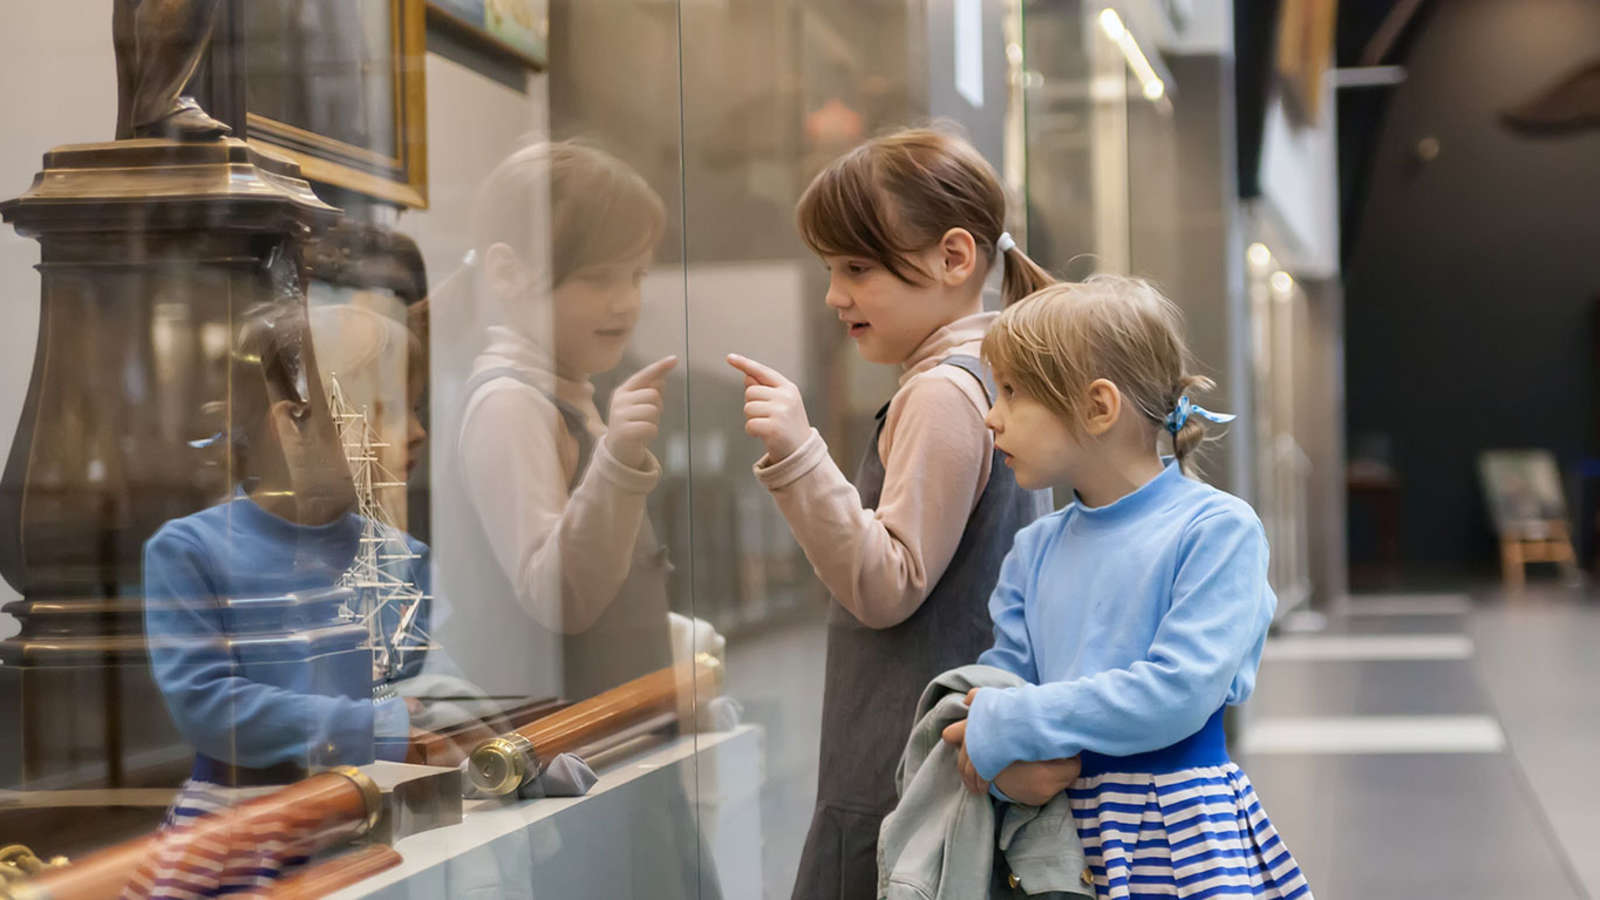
[387,602]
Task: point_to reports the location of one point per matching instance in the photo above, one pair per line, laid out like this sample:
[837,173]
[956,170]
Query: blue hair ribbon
[1186,407]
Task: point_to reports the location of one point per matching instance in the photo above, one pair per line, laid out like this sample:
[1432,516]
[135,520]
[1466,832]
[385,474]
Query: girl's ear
[959,253]
[503,272]
[1103,409]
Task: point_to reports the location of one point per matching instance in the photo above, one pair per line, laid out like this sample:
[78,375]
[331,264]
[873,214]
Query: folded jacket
[939,842]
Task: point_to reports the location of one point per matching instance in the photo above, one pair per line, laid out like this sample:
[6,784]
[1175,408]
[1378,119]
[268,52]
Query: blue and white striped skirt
[181,867]
[1196,832]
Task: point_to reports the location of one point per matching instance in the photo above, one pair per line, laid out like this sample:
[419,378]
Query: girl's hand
[1037,783]
[635,417]
[956,733]
[773,410]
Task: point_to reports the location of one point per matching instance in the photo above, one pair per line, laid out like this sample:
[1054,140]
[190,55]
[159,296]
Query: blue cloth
[565,776]
[1180,414]
[1133,623]
[249,711]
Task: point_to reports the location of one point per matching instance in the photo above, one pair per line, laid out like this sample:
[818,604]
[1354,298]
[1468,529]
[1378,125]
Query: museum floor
[1433,745]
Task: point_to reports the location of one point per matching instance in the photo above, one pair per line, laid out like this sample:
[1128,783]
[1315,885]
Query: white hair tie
[1005,242]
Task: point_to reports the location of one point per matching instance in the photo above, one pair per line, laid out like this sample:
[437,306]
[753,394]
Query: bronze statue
[159,44]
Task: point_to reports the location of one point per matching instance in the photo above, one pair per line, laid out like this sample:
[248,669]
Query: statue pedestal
[150,252]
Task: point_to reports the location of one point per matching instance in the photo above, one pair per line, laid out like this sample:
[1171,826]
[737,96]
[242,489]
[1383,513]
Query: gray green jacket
[939,842]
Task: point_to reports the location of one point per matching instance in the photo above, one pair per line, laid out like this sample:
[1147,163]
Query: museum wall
[1447,319]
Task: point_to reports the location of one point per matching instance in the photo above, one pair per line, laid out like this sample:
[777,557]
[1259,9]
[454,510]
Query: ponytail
[1189,438]
[1022,275]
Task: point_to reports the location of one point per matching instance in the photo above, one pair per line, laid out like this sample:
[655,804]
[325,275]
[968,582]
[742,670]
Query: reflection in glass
[545,509]
[250,609]
[557,578]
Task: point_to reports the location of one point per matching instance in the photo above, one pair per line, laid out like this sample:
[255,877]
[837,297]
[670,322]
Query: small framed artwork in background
[339,86]
[519,29]
[1529,511]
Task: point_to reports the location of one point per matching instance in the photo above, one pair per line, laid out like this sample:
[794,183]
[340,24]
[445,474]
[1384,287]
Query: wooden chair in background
[1540,542]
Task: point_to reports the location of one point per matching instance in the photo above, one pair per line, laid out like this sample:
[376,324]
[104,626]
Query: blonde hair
[897,195]
[1057,341]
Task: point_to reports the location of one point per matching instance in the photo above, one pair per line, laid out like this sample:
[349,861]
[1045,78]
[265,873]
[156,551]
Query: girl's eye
[856,268]
[1005,389]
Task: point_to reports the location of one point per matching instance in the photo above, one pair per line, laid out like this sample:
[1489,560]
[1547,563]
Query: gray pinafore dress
[873,677]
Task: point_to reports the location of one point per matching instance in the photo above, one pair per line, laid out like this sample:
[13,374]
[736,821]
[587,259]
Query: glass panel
[308,479]
[312,474]
[558,378]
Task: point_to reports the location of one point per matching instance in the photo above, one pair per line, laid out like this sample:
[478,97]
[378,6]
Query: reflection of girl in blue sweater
[259,668]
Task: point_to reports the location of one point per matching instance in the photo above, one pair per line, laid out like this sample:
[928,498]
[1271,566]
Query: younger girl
[1136,613]
[908,225]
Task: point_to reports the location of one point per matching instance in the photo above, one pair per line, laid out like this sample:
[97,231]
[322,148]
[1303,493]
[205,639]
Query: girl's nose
[836,297]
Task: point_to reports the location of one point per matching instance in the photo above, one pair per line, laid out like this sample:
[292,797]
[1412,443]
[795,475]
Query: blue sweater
[1133,624]
[260,711]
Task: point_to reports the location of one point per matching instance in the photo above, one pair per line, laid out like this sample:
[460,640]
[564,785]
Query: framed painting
[519,29]
[1305,53]
[339,87]
[1523,490]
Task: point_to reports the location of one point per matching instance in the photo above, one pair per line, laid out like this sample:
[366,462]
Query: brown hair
[600,209]
[1056,342]
[897,195]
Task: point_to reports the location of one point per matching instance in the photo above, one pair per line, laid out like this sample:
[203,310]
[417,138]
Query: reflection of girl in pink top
[547,536]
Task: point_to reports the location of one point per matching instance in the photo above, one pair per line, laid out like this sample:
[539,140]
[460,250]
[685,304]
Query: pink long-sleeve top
[881,564]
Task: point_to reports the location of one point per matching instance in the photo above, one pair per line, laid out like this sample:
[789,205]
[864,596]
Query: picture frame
[1523,491]
[339,87]
[1305,54]
[516,29]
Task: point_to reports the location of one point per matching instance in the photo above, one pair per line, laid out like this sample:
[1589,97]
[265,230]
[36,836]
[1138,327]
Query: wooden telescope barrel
[325,810]
[501,765]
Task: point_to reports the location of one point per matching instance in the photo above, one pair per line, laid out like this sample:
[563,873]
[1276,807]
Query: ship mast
[387,601]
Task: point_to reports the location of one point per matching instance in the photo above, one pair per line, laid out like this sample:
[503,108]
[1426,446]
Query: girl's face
[594,311]
[1039,445]
[886,317]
